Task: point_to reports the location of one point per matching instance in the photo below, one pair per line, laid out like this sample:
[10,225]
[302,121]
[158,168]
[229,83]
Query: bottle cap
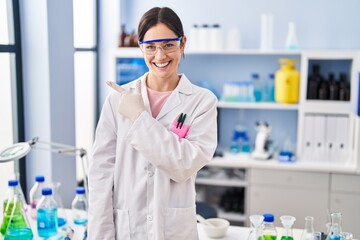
[255,75]
[39,178]
[13,183]
[268,217]
[80,190]
[46,191]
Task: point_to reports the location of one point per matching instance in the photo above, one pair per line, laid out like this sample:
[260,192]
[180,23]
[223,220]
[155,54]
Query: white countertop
[245,161]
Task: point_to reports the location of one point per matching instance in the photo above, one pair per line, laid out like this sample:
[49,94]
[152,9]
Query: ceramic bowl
[218,228]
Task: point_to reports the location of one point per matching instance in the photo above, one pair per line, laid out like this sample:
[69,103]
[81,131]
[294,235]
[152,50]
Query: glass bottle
[35,194]
[256,232]
[335,227]
[15,224]
[61,213]
[287,222]
[258,89]
[308,233]
[269,231]
[79,207]
[47,216]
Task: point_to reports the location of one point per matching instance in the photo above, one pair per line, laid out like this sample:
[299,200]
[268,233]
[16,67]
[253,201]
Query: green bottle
[269,231]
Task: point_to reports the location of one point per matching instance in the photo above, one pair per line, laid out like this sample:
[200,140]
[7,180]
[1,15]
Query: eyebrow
[161,40]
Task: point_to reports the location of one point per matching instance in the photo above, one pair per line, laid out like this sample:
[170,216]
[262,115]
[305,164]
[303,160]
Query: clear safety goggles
[167,45]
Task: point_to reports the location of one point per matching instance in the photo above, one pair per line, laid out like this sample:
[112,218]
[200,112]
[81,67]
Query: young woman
[154,134]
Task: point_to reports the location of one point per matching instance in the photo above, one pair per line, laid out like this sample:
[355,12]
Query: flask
[256,232]
[269,231]
[287,81]
[308,233]
[47,219]
[291,38]
[79,207]
[335,227]
[35,194]
[287,222]
[255,78]
[15,224]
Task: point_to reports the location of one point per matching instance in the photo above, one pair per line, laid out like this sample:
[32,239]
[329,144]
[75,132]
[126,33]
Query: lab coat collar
[174,100]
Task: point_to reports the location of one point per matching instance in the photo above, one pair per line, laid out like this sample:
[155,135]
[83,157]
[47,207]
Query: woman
[154,134]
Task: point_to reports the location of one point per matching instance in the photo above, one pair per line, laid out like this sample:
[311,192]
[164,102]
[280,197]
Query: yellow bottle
[287,82]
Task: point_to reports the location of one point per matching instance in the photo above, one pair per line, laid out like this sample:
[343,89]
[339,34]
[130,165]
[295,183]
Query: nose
[159,54]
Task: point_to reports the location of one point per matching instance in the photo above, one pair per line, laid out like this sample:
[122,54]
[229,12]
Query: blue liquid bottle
[47,219]
[79,207]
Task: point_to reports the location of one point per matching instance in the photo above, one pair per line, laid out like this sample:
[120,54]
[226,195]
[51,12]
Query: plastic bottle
[287,222]
[79,207]
[15,224]
[269,231]
[308,233]
[258,89]
[291,38]
[47,219]
[35,194]
[287,82]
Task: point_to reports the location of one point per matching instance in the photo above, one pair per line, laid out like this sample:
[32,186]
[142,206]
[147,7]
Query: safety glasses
[167,45]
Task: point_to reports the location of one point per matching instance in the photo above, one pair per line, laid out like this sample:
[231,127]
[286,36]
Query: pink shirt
[157,100]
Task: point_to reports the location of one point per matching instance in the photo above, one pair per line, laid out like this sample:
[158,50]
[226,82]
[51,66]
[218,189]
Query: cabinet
[325,133]
[345,198]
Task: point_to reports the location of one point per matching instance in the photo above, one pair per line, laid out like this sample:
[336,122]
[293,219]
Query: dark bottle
[314,82]
[333,88]
[344,90]
[123,35]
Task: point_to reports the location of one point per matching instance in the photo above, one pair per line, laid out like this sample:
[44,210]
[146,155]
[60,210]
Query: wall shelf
[257,105]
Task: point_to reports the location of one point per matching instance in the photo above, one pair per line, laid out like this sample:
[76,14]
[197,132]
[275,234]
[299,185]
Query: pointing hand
[131,103]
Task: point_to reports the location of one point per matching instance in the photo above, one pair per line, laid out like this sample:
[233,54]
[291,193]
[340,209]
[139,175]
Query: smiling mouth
[162,65]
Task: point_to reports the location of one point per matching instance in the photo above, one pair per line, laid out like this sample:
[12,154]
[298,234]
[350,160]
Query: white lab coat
[141,175]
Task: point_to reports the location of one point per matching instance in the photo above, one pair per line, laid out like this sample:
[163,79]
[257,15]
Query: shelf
[258,105]
[330,107]
[221,182]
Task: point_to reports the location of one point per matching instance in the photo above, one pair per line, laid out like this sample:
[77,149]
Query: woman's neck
[162,84]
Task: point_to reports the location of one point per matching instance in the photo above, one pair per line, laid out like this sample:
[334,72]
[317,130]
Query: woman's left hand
[131,103]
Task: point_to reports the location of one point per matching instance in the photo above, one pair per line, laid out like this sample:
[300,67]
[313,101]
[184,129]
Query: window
[11,120]
[85,60]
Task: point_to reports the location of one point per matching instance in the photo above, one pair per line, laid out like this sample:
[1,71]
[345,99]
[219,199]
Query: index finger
[115,86]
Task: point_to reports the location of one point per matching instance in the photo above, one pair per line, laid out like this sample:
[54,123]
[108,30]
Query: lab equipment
[308,233]
[15,224]
[287,153]
[256,232]
[35,194]
[269,88]
[61,213]
[47,218]
[346,236]
[269,231]
[258,88]
[291,38]
[317,235]
[79,207]
[287,82]
[238,91]
[287,222]
[261,149]
[240,140]
[266,33]
[335,227]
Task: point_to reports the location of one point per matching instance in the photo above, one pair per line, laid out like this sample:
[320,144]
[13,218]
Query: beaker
[257,226]
[62,218]
[335,227]
[287,222]
[15,223]
[308,233]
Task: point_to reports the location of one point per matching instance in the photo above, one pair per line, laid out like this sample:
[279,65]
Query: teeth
[162,64]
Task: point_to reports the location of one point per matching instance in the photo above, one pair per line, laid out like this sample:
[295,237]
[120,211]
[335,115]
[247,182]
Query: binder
[331,138]
[308,143]
[319,138]
[342,144]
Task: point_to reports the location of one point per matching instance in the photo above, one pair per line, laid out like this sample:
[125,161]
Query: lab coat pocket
[122,225]
[180,223]
[180,126]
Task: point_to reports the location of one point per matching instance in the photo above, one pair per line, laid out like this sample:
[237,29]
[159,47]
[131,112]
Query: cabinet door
[348,205]
[299,194]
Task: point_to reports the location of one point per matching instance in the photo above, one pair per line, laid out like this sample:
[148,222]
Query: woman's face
[164,62]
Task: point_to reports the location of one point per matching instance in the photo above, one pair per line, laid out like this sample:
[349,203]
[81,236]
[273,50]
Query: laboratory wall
[321,24]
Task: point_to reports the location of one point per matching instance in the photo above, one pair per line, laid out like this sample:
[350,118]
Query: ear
[183,43]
